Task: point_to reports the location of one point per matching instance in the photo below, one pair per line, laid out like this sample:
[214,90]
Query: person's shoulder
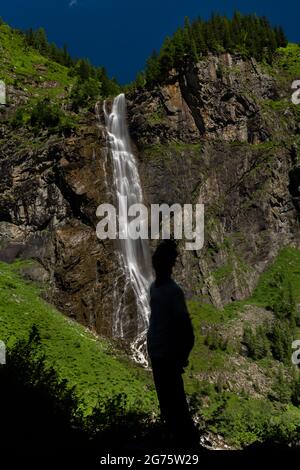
[174,284]
[176,288]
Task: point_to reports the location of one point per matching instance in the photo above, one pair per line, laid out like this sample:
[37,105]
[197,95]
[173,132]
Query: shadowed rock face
[216,99]
[204,136]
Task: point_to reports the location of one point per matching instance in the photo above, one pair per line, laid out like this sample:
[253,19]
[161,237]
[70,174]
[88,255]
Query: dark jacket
[170,335]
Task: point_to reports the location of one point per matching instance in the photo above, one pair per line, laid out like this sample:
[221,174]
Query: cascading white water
[134,254]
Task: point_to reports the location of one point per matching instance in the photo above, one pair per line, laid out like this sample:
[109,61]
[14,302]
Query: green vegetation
[93,365]
[285,69]
[44,114]
[38,40]
[256,341]
[240,418]
[246,35]
[285,270]
[27,53]
[214,339]
[243,421]
[279,105]
[19,62]
[86,375]
[38,406]
[167,151]
[83,93]
[156,117]
[101,386]
[52,86]
[275,339]
[283,107]
[222,273]
[278,290]
[287,59]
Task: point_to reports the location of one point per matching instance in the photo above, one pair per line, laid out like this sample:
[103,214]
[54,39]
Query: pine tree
[256,342]
[67,61]
[178,42]
[41,40]
[188,43]
[236,27]
[249,341]
[280,37]
[84,69]
[292,309]
[166,58]
[227,39]
[247,35]
[282,388]
[152,68]
[295,387]
[140,80]
[198,33]
[281,341]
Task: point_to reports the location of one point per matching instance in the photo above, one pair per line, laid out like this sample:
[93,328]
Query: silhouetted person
[170,339]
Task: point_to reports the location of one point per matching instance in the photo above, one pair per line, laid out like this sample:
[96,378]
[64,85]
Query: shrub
[43,115]
[276,339]
[20,118]
[281,340]
[282,388]
[37,406]
[85,92]
[295,388]
[283,301]
[244,421]
[256,341]
[214,340]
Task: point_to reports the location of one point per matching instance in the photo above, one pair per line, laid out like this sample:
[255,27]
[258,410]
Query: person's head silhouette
[164,259]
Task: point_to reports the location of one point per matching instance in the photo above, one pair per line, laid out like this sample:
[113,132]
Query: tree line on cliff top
[245,35]
[80,68]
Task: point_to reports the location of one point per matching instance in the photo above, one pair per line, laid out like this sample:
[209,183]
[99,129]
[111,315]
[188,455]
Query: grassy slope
[21,65]
[98,371]
[288,60]
[285,70]
[34,77]
[241,419]
[89,363]
[204,359]
[287,262]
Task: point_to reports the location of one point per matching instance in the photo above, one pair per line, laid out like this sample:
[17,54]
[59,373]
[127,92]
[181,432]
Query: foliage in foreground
[92,364]
[105,386]
[40,409]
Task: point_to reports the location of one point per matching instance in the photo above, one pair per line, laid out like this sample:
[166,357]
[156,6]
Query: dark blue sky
[121,34]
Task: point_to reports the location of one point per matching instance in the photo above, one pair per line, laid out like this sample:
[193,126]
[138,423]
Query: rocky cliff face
[209,135]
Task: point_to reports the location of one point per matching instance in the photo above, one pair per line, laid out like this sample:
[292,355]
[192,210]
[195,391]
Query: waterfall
[134,254]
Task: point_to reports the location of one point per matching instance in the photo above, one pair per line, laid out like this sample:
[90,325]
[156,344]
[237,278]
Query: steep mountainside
[223,132]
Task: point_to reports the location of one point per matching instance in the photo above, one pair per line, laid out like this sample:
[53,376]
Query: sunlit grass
[92,364]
